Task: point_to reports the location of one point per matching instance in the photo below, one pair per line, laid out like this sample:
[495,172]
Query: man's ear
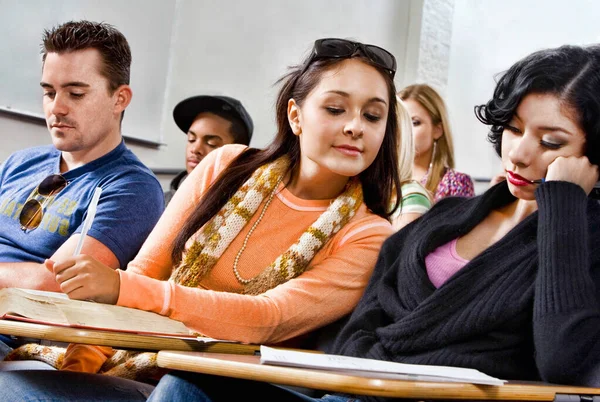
[122,98]
[294,117]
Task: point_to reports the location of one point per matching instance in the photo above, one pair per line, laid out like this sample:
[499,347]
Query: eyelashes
[544,143]
[338,111]
[550,145]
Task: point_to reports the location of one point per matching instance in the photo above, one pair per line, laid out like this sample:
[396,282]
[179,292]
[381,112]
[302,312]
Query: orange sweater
[328,290]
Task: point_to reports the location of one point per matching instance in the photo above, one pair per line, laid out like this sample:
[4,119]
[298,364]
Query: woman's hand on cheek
[84,278]
[577,170]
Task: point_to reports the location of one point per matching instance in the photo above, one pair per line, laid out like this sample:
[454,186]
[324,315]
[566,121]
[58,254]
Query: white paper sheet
[374,368]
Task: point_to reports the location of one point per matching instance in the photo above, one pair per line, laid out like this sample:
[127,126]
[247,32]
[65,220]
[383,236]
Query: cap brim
[186,111]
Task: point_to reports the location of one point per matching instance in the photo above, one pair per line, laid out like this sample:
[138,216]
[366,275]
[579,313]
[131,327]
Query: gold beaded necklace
[239,254]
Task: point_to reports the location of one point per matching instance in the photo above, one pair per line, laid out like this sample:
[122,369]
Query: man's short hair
[80,35]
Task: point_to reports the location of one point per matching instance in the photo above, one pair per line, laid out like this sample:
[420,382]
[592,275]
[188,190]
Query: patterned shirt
[452,184]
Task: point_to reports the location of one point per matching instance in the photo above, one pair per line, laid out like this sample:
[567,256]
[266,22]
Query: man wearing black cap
[209,122]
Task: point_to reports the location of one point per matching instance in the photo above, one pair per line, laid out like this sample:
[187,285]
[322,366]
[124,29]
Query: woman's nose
[522,150]
[354,127]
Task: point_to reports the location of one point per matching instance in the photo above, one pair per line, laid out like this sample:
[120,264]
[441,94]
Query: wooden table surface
[249,367]
[118,339]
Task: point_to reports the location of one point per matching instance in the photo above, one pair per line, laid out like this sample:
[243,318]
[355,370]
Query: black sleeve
[566,316]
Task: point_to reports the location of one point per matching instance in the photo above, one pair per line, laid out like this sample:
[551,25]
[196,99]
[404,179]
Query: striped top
[415,199]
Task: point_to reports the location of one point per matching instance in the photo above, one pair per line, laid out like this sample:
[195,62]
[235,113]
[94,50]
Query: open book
[58,310]
[374,368]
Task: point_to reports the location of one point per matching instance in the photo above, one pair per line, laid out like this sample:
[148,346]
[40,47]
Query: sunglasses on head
[33,209]
[333,48]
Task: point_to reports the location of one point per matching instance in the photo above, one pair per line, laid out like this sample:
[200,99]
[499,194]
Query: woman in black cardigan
[524,303]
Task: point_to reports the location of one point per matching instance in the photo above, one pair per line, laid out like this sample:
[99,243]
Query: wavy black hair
[571,73]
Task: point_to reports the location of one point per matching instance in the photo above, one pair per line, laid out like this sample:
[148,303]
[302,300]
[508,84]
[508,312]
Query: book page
[37,307]
[374,368]
[45,293]
[206,339]
[53,309]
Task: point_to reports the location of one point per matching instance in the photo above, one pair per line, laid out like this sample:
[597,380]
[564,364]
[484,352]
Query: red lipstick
[516,179]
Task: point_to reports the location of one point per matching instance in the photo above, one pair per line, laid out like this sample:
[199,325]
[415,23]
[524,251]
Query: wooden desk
[249,367]
[118,339]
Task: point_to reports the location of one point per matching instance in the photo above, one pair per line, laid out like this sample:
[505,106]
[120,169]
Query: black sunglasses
[342,48]
[33,209]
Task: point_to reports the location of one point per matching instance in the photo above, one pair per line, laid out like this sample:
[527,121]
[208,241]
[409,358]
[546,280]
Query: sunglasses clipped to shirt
[334,48]
[33,210]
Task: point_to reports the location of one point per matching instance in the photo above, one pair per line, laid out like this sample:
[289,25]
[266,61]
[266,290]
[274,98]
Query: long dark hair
[571,73]
[380,181]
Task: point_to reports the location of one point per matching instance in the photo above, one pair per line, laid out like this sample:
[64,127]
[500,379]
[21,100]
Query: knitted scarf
[207,245]
[216,235]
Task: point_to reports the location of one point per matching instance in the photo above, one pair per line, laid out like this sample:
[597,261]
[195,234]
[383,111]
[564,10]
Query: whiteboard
[147,25]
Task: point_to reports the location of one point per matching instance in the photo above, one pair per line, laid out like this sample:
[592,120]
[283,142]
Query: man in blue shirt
[85,85]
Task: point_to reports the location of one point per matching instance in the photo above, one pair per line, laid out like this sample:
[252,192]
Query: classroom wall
[240,49]
[487,38]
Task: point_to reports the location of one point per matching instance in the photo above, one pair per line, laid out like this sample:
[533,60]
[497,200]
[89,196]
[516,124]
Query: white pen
[91,212]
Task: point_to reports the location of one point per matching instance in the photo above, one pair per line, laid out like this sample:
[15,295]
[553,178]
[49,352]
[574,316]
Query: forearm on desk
[28,275]
[322,294]
[33,275]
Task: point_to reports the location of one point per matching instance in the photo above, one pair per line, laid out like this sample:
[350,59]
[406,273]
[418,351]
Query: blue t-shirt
[130,204]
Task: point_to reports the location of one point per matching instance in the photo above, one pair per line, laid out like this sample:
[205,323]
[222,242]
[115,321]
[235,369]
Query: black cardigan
[526,308]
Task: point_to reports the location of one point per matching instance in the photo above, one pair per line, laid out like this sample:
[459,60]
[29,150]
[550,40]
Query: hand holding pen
[82,277]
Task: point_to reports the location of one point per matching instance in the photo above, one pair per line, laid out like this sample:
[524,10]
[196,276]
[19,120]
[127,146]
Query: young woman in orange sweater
[263,246]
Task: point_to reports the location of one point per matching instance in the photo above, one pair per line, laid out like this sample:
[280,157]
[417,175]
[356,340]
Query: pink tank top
[443,262]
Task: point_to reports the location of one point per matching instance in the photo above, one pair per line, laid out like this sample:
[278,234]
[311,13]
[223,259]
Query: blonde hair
[406,151]
[431,101]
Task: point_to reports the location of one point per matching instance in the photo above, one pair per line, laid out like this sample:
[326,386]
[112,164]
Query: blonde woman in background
[416,200]
[433,164]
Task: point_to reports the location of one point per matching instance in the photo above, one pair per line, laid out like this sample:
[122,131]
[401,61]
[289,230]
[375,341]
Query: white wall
[435,42]
[240,49]
[488,37]
[21,24]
